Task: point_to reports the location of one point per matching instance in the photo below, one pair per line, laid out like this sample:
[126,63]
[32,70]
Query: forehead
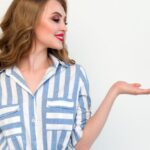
[53,6]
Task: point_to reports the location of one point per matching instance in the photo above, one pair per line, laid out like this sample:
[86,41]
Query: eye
[56,20]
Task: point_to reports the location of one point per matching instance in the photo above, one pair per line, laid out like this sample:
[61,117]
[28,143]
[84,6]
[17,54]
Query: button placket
[34,117]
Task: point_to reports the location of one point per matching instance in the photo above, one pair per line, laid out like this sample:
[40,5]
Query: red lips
[60,36]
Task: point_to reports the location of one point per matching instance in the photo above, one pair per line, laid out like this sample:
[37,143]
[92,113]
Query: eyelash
[57,21]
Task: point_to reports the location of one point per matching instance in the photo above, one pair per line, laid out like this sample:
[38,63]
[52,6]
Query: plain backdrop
[111,40]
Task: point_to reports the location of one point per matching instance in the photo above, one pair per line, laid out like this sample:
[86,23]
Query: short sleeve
[83,112]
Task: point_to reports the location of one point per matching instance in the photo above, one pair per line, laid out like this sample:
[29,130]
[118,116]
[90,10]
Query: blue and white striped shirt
[51,118]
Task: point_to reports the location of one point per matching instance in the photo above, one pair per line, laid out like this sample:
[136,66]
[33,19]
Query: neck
[35,61]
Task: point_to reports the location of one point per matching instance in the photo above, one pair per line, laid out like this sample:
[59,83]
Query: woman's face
[51,27]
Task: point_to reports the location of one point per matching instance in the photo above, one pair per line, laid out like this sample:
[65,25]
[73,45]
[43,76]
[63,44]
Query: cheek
[44,30]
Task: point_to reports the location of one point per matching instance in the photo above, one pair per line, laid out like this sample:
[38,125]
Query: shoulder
[82,70]
[78,67]
[79,70]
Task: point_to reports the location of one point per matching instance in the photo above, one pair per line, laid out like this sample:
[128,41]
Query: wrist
[118,87]
[112,94]
[114,89]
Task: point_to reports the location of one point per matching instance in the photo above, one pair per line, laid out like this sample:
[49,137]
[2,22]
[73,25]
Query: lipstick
[60,37]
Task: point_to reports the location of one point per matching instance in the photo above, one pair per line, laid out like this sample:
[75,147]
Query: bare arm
[96,122]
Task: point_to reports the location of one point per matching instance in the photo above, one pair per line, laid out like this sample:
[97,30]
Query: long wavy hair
[18,26]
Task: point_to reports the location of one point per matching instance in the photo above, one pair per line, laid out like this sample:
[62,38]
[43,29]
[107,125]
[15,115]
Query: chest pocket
[10,121]
[59,115]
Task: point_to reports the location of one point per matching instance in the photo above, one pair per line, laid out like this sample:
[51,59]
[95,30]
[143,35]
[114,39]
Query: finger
[136,84]
[142,91]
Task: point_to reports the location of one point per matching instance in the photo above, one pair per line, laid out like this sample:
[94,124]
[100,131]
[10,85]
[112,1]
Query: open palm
[130,88]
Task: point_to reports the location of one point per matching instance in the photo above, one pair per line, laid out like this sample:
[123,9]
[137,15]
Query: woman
[44,95]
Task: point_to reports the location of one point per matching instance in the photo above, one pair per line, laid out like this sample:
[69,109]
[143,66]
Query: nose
[63,27]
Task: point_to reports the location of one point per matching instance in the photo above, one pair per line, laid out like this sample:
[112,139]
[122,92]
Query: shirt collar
[17,76]
[56,61]
[2,70]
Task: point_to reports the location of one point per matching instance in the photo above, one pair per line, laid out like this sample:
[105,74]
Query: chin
[59,47]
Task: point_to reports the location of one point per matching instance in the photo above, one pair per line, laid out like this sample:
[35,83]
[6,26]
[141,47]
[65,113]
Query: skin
[95,124]
[49,24]
[38,62]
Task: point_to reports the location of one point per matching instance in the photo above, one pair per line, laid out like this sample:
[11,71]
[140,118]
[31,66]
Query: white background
[111,40]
